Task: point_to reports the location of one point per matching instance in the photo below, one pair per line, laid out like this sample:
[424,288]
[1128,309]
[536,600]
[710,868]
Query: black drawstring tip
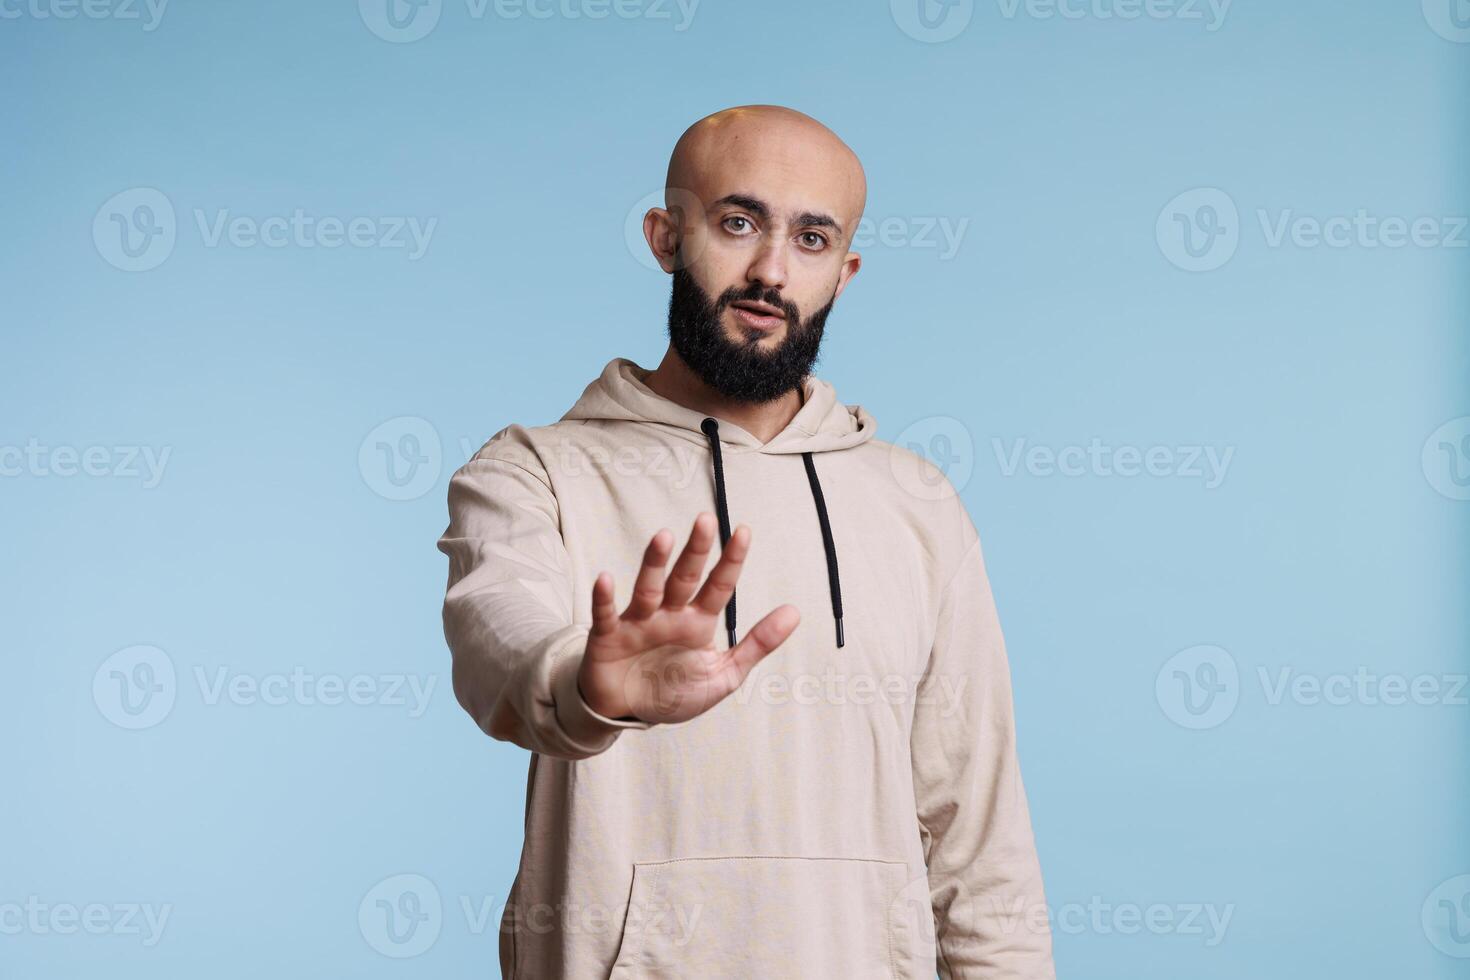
[840,639]
[731,634]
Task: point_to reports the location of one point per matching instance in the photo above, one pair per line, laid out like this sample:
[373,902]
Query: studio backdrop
[1174,292]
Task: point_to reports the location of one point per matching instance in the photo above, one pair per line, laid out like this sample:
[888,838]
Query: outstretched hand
[658,661]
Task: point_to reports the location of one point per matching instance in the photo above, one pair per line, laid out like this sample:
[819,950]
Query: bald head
[769,151]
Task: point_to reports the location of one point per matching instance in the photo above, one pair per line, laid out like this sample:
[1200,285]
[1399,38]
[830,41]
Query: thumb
[764,637]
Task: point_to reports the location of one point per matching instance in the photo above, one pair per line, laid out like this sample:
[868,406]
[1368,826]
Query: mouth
[760,316]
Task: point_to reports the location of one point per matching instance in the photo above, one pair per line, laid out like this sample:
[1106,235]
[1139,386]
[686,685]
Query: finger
[648,589]
[764,636]
[684,578]
[721,582]
[604,609]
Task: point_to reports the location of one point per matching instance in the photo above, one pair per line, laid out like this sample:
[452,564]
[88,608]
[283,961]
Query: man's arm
[525,670]
[984,878]
[508,609]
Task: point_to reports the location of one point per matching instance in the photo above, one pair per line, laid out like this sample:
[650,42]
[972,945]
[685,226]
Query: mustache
[756,293]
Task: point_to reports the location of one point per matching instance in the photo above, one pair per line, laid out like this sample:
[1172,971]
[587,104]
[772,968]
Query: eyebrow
[759,208]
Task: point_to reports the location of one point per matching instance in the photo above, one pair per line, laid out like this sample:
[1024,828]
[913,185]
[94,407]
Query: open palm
[658,660]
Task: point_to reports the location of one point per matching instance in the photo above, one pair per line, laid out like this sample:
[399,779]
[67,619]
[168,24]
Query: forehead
[790,174]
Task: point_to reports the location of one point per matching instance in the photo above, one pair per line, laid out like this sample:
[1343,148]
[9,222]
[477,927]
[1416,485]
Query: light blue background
[267,548]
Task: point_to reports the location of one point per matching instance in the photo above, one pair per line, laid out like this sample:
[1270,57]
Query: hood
[822,424]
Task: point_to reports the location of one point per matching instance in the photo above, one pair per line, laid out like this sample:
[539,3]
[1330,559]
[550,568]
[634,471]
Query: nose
[768,266]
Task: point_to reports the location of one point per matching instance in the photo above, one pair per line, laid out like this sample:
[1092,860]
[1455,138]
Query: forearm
[508,614]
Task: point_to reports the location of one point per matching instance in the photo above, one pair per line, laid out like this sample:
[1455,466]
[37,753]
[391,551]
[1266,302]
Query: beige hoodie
[849,812]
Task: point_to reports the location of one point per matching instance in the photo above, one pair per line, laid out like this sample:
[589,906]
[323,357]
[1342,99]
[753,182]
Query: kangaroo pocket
[756,916]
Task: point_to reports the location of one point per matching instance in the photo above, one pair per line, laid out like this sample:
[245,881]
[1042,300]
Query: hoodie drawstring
[711,429]
[827,543]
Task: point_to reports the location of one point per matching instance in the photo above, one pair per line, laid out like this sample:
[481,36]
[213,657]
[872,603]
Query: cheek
[811,297]
[813,281]
[716,273]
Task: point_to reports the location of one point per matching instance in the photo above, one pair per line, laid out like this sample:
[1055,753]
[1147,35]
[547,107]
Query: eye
[813,240]
[737,224]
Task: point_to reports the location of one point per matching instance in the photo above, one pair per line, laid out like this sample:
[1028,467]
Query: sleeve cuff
[584,726]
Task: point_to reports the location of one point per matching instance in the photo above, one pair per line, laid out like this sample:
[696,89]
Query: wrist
[598,707]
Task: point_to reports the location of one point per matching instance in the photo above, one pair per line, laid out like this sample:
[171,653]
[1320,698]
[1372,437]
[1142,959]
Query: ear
[673,232]
[851,263]
[661,229]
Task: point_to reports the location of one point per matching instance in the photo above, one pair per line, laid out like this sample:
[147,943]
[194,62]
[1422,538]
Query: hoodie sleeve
[508,610]
[984,877]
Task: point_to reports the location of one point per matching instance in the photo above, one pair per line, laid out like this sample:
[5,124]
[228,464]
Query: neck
[675,381]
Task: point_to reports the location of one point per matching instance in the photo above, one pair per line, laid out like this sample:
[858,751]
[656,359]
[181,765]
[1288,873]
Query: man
[817,781]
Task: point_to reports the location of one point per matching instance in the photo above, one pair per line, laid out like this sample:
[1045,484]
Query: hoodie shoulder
[514,445]
[923,495]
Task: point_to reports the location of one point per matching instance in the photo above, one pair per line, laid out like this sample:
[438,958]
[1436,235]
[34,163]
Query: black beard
[742,371]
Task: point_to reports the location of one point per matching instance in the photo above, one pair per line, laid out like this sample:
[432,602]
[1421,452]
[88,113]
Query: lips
[753,316]
[760,309]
